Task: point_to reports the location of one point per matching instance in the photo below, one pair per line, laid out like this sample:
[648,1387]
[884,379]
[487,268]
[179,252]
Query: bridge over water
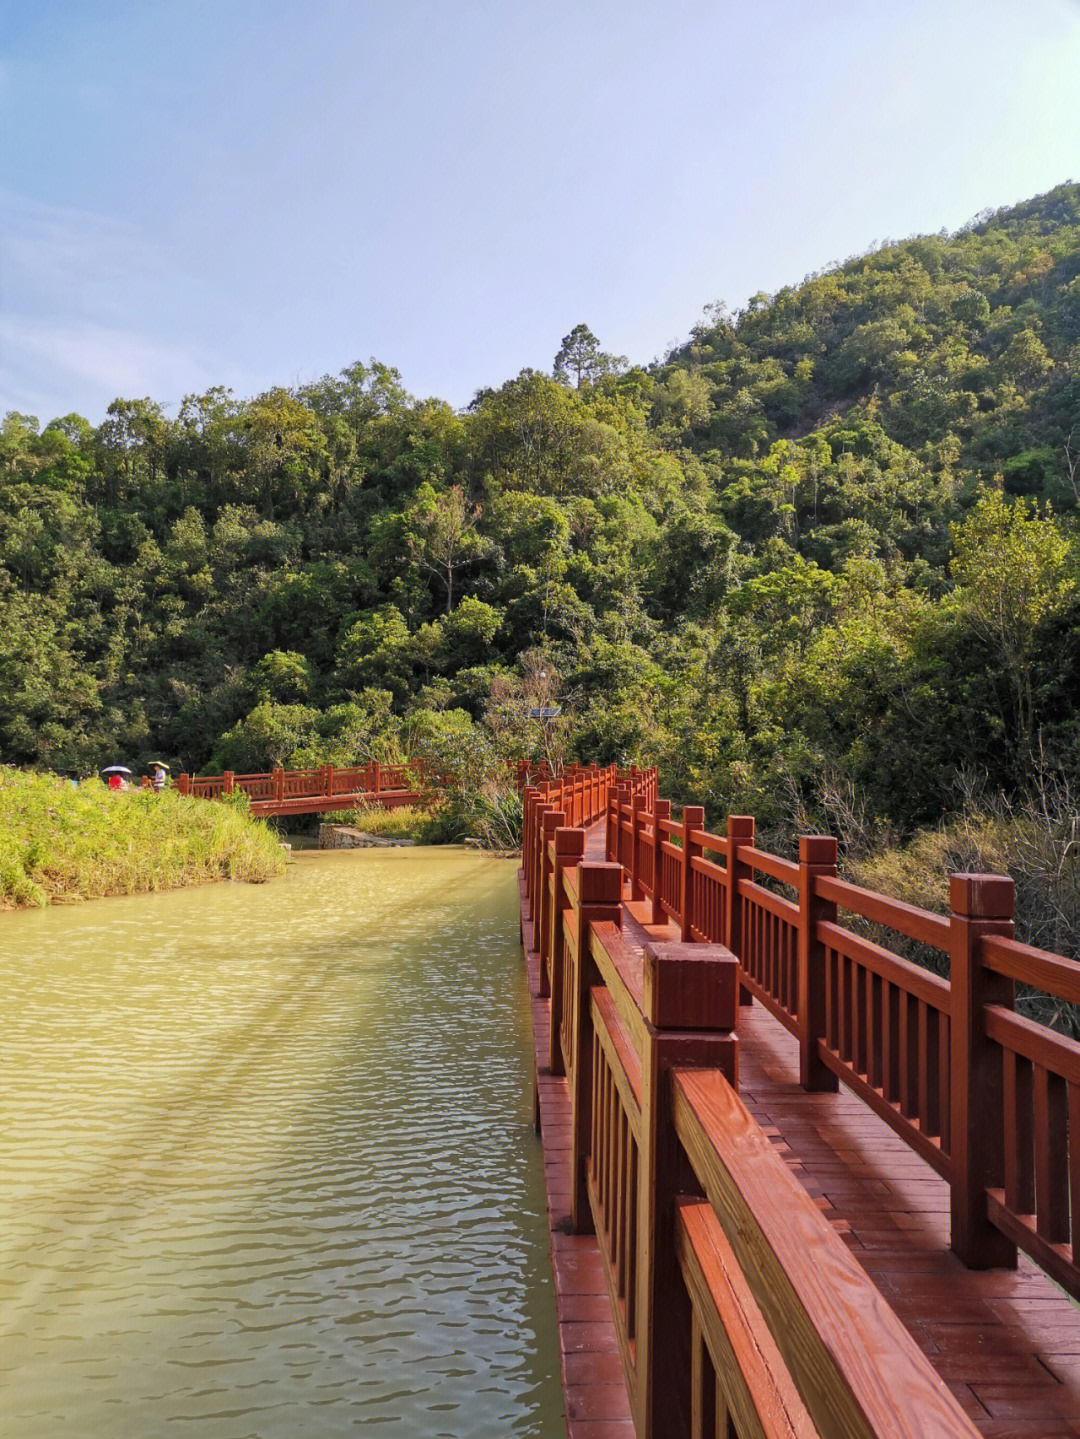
[312,791]
[326,787]
[797,1184]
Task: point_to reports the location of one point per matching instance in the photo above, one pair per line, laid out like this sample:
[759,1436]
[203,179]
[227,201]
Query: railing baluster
[1051,1171]
[554,820]
[598,898]
[1074,1167]
[1017,1101]
[661,811]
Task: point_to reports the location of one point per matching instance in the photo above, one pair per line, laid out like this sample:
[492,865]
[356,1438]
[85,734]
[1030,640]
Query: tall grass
[59,843]
[401,822]
[1035,838]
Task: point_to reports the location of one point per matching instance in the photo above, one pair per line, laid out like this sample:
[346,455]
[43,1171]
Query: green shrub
[403,822]
[59,842]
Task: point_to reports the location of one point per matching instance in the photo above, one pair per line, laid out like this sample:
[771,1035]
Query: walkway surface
[1007,1342]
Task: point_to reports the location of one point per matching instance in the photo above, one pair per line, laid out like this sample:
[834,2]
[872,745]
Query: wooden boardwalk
[1007,1343]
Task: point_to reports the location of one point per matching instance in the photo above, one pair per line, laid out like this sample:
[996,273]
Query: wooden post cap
[694,815]
[817,849]
[740,826]
[553,819]
[570,842]
[600,883]
[690,986]
[981,896]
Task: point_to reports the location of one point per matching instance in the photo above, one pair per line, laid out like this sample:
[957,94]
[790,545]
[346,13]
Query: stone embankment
[345,836]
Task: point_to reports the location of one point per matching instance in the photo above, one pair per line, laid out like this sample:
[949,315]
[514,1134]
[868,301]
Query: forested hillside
[830,544]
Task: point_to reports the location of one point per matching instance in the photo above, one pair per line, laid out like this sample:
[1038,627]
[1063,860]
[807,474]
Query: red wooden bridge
[797,1184]
[326,788]
[313,791]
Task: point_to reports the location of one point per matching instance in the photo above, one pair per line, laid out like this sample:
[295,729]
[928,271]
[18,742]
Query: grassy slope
[59,843]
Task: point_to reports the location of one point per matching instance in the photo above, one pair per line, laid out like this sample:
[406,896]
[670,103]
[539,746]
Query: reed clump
[402,822]
[59,843]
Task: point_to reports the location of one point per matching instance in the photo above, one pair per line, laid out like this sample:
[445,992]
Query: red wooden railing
[327,787]
[282,784]
[987,1097]
[738,1310]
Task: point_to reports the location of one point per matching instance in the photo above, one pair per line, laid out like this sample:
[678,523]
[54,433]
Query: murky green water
[266,1161]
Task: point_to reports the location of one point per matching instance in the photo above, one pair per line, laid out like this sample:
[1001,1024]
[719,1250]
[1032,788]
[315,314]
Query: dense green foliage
[60,843]
[831,540]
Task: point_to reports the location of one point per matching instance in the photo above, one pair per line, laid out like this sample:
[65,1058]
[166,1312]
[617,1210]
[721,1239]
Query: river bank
[60,844]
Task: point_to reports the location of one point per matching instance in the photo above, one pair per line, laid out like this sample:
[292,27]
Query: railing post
[740,832]
[981,904]
[229,779]
[553,820]
[817,857]
[543,797]
[376,776]
[528,799]
[637,824]
[569,849]
[536,865]
[183,783]
[689,1000]
[693,817]
[611,826]
[598,899]
[622,802]
[328,779]
[661,810]
[279,784]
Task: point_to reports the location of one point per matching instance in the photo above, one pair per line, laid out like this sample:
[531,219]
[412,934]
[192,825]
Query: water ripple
[267,1162]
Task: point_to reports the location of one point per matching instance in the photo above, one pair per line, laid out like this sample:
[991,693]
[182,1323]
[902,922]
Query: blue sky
[256,194]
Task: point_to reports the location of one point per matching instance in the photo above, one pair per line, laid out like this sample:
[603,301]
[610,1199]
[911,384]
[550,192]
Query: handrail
[913,1046]
[1052,973]
[918,924]
[282,791]
[732,1350]
[681,1279]
[856,1368]
[772,865]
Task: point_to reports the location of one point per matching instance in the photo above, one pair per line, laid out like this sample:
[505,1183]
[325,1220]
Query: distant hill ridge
[805,563]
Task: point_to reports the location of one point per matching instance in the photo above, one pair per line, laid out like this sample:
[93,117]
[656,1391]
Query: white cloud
[115,361]
[92,310]
[60,259]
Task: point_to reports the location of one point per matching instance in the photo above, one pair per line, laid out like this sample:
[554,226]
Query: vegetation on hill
[830,541]
[59,843]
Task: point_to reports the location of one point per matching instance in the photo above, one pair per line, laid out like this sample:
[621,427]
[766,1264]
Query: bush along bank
[59,843]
